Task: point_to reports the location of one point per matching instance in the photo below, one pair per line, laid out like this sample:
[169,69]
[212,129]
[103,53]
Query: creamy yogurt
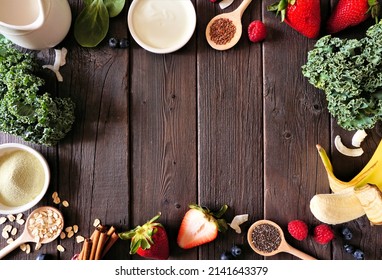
[162,24]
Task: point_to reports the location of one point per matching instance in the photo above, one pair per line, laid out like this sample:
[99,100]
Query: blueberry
[236,251]
[41,257]
[358,254]
[346,233]
[113,42]
[349,248]
[226,256]
[123,43]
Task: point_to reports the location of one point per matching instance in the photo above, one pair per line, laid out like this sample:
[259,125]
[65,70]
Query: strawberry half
[302,15]
[348,13]
[200,226]
[149,240]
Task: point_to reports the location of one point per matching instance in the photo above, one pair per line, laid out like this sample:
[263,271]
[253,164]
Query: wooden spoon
[235,17]
[27,235]
[283,246]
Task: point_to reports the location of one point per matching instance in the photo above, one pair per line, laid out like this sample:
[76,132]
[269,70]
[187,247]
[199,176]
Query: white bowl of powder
[24,178]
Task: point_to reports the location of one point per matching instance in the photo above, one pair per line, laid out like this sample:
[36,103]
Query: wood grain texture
[230,122]
[295,120]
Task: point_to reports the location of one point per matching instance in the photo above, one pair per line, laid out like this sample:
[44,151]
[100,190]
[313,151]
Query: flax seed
[222,31]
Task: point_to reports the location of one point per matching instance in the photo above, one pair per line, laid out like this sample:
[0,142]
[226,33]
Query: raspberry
[323,234]
[257,31]
[298,229]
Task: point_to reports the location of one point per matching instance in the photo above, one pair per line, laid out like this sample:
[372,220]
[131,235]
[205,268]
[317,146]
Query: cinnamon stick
[101,243]
[95,236]
[110,231]
[86,248]
[110,242]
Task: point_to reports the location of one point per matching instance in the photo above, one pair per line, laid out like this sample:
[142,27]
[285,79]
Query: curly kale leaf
[24,110]
[349,71]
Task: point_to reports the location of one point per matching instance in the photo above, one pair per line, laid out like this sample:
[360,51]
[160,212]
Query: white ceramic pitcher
[35,24]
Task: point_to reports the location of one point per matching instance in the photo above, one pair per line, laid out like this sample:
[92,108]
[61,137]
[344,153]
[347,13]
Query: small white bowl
[11,147]
[161,26]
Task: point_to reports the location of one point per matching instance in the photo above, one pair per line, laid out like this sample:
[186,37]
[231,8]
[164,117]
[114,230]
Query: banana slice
[356,152]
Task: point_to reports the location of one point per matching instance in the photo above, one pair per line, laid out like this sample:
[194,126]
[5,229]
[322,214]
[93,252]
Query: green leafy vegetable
[349,71]
[114,7]
[24,111]
[92,24]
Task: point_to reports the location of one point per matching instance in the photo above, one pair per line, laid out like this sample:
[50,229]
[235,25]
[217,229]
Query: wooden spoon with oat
[42,226]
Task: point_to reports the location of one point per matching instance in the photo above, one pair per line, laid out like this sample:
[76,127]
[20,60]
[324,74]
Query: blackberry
[236,251]
[349,248]
[358,254]
[346,233]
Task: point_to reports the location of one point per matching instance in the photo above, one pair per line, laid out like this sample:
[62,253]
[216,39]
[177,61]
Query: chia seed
[222,31]
[266,238]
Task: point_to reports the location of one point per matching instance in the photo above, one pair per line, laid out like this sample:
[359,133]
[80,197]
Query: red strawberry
[200,226]
[349,13]
[302,15]
[323,234]
[257,31]
[298,229]
[149,241]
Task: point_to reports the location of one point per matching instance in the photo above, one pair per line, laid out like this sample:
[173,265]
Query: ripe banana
[370,198]
[371,173]
[336,208]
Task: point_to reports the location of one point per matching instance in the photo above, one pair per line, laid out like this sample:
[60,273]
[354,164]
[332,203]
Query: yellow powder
[21,178]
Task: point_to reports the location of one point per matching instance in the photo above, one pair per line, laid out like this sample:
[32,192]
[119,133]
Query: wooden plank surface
[154,133]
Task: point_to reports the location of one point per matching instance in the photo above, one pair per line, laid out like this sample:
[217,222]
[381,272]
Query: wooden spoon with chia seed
[266,238]
[224,30]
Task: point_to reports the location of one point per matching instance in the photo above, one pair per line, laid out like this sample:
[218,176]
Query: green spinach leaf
[114,7]
[92,24]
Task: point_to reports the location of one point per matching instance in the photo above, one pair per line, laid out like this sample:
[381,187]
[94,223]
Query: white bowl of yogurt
[161,26]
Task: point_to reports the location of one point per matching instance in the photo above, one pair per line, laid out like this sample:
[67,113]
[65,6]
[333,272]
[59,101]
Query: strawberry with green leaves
[302,15]
[149,240]
[348,13]
[200,226]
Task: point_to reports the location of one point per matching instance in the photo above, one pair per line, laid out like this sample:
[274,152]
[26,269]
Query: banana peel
[351,200]
[371,173]
[370,198]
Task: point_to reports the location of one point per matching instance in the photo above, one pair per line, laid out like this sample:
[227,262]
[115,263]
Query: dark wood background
[158,132]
